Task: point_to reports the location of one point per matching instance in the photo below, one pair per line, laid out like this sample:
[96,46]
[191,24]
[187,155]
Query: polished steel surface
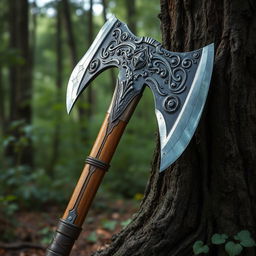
[79,70]
[175,142]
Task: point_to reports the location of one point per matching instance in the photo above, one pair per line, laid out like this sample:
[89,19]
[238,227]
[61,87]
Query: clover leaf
[199,247]
[219,238]
[245,238]
[233,249]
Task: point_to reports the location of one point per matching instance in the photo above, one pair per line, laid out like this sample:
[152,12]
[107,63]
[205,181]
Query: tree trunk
[2,87]
[20,84]
[210,189]
[33,30]
[2,105]
[70,32]
[90,94]
[131,15]
[13,69]
[58,95]
[104,11]
[111,71]
[73,50]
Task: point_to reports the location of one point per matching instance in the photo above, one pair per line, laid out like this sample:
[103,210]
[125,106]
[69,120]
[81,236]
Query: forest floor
[33,231]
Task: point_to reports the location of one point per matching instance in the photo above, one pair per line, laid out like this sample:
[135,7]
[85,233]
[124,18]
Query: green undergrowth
[232,245]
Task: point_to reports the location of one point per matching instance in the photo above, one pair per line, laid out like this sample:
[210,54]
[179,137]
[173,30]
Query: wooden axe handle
[97,163]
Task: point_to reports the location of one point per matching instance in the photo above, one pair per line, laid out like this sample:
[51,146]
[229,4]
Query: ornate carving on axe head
[179,81]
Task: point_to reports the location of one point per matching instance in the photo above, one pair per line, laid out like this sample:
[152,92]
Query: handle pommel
[64,239]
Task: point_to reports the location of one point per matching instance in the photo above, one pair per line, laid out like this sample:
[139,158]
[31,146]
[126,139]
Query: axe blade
[79,72]
[174,142]
[179,81]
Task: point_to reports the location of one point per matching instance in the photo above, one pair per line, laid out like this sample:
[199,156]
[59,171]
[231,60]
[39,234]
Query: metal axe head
[179,81]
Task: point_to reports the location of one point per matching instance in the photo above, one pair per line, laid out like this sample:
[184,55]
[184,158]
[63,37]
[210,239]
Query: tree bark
[33,30]
[70,32]
[104,11]
[211,188]
[2,87]
[13,45]
[111,71]
[20,84]
[58,95]
[2,105]
[131,15]
[90,96]
[73,50]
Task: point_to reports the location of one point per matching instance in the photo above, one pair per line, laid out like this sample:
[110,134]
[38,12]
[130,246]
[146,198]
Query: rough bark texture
[211,188]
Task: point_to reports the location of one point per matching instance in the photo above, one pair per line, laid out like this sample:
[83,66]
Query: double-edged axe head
[179,81]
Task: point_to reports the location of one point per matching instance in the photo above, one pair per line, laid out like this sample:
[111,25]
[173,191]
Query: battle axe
[179,82]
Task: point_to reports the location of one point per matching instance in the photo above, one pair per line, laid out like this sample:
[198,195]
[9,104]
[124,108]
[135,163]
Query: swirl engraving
[186,63]
[171,103]
[94,65]
[143,60]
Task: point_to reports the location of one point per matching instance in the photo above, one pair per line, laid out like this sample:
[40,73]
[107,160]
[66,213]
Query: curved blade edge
[79,70]
[173,144]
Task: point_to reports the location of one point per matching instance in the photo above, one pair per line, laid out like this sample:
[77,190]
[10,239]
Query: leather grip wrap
[63,240]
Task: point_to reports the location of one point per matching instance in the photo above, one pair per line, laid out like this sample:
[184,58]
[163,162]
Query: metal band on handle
[64,239]
[97,163]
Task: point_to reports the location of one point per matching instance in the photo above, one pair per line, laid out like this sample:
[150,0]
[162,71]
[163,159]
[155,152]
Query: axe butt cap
[64,238]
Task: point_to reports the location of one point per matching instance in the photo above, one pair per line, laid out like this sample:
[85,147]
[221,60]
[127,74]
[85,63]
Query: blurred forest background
[42,148]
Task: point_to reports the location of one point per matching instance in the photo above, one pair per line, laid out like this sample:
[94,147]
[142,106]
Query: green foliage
[109,224]
[46,234]
[232,248]
[245,238]
[8,204]
[21,182]
[199,247]
[92,237]
[126,222]
[29,187]
[219,239]
[20,142]
[10,57]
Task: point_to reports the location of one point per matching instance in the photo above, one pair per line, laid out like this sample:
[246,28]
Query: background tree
[3,15]
[131,15]
[90,98]
[111,71]
[210,188]
[20,110]
[59,77]
[70,31]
